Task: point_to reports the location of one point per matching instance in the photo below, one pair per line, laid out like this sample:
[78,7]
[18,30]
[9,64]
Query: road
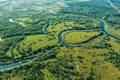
[113,6]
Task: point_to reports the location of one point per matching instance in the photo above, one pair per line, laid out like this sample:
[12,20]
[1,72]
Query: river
[102,25]
[13,65]
[60,38]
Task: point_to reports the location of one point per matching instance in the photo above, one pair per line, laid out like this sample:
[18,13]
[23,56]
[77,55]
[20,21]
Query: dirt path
[11,20]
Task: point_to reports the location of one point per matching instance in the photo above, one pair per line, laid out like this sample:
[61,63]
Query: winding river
[60,38]
[102,26]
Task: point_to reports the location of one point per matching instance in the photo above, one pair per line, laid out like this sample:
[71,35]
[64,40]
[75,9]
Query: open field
[78,36]
[30,44]
[91,57]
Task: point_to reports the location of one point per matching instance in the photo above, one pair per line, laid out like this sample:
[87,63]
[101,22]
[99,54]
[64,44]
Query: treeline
[6,45]
[89,9]
[113,57]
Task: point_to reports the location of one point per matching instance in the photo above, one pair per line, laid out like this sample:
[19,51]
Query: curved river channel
[20,63]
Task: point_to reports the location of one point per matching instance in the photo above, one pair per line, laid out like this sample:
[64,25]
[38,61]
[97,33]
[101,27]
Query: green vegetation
[29,45]
[61,40]
[77,37]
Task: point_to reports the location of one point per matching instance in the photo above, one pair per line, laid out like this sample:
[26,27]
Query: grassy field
[28,20]
[30,44]
[89,60]
[78,36]
[115,45]
[56,29]
[115,32]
